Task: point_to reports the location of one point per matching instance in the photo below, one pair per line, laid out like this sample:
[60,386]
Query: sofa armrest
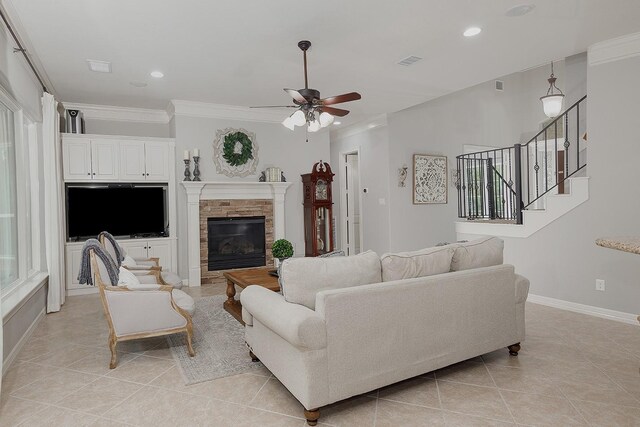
[522,288]
[297,324]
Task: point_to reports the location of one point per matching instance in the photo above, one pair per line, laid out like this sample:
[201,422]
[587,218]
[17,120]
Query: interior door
[353,204]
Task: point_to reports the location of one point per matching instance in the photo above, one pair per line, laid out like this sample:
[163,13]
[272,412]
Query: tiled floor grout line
[375,411]
[513,418]
[615,382]
[258,392]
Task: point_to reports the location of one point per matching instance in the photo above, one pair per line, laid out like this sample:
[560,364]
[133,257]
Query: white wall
[278,146]
[108,127]
[562,260]
[374,172]
[477,115]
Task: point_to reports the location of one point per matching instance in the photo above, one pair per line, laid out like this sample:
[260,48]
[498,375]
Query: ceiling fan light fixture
[314,126]
[288,123]
[326,119]
[299,118]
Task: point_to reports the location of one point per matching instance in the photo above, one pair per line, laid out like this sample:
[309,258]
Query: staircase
[516,191]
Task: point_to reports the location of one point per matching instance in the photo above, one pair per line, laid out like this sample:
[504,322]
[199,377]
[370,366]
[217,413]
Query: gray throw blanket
[85,263]
[119,251]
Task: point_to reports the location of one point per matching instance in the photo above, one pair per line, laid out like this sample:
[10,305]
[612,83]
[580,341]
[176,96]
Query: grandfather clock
[318,207]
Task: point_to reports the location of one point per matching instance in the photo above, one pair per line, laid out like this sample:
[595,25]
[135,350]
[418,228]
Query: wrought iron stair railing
[501,183]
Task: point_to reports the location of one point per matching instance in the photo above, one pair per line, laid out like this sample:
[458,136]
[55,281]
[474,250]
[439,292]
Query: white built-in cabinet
[147,161]
[108,158]
[162,248]
[112,159]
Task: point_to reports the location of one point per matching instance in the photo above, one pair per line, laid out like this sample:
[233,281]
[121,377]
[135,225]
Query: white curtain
[53,197]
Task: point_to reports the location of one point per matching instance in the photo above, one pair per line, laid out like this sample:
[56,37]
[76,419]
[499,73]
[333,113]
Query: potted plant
[281,250]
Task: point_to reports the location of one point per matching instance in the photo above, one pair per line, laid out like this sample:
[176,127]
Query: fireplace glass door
[236,242]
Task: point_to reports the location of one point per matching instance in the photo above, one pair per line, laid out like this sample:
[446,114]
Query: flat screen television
[124,210]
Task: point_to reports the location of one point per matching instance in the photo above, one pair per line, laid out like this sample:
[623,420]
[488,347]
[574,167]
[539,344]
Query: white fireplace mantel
[215,190]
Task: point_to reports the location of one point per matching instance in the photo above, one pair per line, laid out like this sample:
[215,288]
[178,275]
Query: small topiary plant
[281,249]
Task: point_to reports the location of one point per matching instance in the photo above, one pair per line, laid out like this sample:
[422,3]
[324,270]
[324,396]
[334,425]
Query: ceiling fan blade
[335,111]
[345,97]
[296,96]
[276,106]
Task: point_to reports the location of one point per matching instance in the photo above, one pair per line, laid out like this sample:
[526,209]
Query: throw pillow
[409,265]
[128,261]
[483,252]
[302,278]
[337,252]
[127,278]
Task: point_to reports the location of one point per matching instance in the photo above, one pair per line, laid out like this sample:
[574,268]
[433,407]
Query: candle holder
[187,172]
[196,168]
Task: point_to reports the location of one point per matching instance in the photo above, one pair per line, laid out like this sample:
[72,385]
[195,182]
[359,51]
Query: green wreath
[229,149]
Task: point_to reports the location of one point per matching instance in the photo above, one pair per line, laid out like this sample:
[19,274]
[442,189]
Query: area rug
[218,340]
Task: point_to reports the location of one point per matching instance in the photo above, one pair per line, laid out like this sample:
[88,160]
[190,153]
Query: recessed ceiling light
[472,31]
[138,84]
[336,123]
[519,10]
[157,74]
[99,66]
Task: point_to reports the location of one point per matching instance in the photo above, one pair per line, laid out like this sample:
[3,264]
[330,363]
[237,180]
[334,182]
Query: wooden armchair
[144,311]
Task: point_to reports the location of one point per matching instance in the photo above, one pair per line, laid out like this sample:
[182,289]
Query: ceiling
[244,52]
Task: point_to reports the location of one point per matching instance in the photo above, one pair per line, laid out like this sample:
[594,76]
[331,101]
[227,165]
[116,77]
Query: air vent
[499,85]
[99,66]
[409,60]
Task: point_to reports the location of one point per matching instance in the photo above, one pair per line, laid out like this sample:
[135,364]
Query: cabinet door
[76,159]
[132,161]
[135,248]
[157,161]
[104,160]
[74,255]
[162,250]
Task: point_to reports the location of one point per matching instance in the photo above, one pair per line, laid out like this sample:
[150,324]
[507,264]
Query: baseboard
[82,291]
[6,364]
[618,316]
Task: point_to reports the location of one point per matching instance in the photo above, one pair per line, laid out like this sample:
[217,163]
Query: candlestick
[196,168]
[186,155]
[187,172]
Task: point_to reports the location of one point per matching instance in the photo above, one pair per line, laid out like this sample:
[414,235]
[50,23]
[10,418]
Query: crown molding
[218,111]
[614,50]
[119,114]
[354,129]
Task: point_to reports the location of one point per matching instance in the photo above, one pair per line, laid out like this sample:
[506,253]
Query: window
[9,271]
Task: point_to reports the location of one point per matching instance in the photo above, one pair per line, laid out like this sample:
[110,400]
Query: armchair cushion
[302,278]
[129,261]
[127,278]
[409,265]
[184,301]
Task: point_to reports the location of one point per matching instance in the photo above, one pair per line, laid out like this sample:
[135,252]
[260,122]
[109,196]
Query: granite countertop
[626,244]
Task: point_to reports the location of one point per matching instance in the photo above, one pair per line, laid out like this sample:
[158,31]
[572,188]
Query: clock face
[321,190]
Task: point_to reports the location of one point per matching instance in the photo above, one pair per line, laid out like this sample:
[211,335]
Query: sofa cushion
[302,278]
[409,265]
[483,252]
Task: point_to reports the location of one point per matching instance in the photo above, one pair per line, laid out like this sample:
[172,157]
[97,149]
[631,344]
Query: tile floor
[573,370]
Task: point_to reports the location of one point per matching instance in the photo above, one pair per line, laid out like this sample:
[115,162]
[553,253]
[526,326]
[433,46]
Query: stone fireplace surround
[210,199]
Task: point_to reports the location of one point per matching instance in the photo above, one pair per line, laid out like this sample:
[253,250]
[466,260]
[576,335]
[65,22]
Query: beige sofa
[353,337]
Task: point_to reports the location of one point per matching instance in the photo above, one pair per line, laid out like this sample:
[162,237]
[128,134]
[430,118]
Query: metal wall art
[429,179]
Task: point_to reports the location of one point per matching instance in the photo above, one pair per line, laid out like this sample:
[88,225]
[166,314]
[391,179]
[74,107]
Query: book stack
[273,174]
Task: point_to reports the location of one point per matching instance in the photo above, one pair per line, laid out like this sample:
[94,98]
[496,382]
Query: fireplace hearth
[236,242]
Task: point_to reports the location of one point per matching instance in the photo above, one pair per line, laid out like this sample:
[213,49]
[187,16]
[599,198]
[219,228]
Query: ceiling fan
[311,110]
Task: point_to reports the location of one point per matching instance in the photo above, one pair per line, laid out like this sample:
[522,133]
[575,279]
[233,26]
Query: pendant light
[552,101]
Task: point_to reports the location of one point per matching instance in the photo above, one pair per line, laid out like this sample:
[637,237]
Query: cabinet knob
[147,174]
[142,174]
[88,173]
[94,173]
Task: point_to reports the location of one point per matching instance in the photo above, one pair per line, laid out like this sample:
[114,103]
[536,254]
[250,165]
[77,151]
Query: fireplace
[236,242]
